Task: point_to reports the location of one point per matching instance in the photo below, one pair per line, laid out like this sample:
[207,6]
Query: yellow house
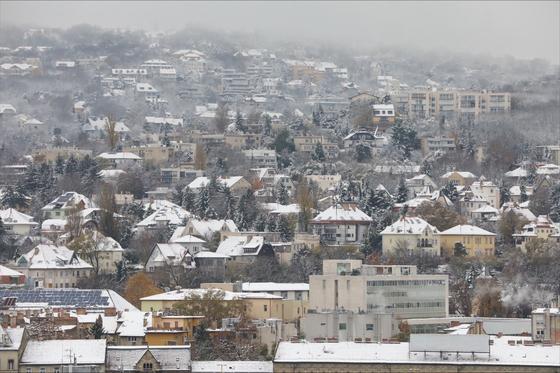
[463,178]
[476,241]
[259,306]
[171,330]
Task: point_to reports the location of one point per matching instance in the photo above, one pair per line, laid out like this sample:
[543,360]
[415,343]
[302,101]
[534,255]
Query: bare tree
[112,134]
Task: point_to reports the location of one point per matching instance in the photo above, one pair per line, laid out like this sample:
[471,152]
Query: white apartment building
[396,289]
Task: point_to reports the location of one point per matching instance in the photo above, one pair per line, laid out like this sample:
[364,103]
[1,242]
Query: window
[265,307]
[10,364]
[56,370]
[42,370]
[28,370]
[148,366]
[369,327]
[342,326]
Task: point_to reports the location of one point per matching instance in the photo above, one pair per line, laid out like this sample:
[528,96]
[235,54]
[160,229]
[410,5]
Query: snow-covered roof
[11,338]
[53,224]
[187,239]
[169,213]
[7,108]
[170,358]
[172,254]
[486,209]
[464,174]
[277,208]
[466,230]
[205,227]
[182,294]
[232,366]
[132,324]
[501,353]
[241,246]
[548,169]
[273,286]
[65,351]
[119,156]
[202,181]
[164,120]
[205,254]
[344,212]
[111,174]
[100,124]
[8,272]
[11,216]
[110,323]
[409,225]
[52,257]
[518,172]
[69,200]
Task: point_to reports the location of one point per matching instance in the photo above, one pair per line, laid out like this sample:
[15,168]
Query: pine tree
[318,153]
[97,329]
[59,165]
[267,128]
[283,197]
[13,197]
[203,203]
[189,200]
[285,229]
[246,213]
[363,153]
[523,193]
[271,224]
[177,196]
[426,167]
[2,230]
[404,138]
[555,204]
[240,123]
[505,195]
[229,203]
[260,223]
[402,192]
[450,191]
[71,165]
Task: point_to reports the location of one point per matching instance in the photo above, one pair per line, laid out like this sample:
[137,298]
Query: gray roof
[171,358]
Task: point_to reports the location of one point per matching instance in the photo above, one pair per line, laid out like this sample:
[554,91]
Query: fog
[521,29]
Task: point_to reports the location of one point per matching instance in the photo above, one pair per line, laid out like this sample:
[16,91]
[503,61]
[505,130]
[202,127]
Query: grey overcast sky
[523,29]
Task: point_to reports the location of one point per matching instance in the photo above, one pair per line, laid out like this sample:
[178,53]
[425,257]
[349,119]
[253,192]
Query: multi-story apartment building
[395,289]
[545,325]
[488,190]
[437,144]
[307,144]
[425,103]
[261,157]
[475,240]
[542,229]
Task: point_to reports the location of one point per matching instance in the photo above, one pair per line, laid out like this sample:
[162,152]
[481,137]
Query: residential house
[106,255]
[307,144]
[242,248]
[10,278]
[148,359]
[366,138]
[475,240]
[151,154]
[325,182]
[383,116]
[470,202]
[171,330]
[487,190]
[120,160]
[240,141]
[413,234]
[261,157]
[16,222]
[167,256]
[462,178]
[542,229]
[65,204]
[420,184]
[341,224]
[51,154]
[204,228]
[49,266]
[14,342]
[164,214]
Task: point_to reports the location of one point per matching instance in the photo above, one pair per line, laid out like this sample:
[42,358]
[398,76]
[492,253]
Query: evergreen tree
[246,211]
[121,273]
[267,128]
[13,197]
[203,203]
[177,196]
[59,165]
[71,165]
[318,153]
[271,224]
[229,201]
[283,141]
[240,123]
[189,200]
[260,223]
[2,230]
[402,192]
[426,168]
[405,138]
[221,167]
[97,329]
[285,229]
[555,204]
[363,153]
[283,196]
[523,193]
[459,249]
[505,195]
[450,191]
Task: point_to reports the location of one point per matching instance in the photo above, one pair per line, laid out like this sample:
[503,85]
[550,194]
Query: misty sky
[521,29]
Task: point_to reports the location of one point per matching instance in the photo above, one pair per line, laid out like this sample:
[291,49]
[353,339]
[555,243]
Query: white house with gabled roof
[413,234]
[16,222]
[341,224]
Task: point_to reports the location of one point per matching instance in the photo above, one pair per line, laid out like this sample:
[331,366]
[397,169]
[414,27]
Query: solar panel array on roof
[61,297]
